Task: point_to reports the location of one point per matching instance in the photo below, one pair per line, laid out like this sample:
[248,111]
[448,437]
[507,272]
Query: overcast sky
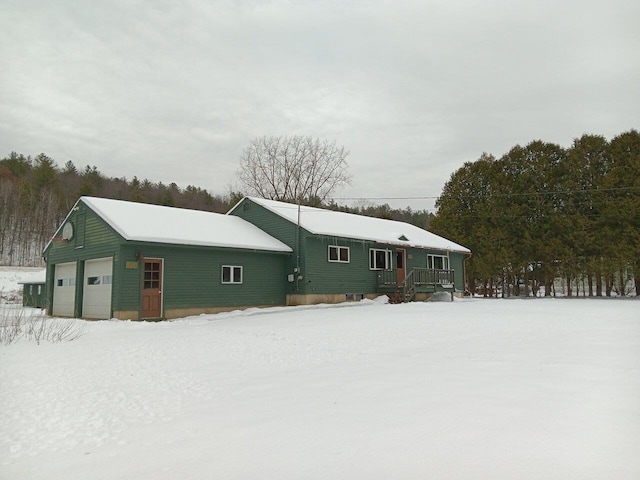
[174,91]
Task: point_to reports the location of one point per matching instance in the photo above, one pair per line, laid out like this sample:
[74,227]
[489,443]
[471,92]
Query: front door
[401,271]
[152,288]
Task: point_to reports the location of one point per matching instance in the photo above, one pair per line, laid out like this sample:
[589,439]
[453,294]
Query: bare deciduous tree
[293,168]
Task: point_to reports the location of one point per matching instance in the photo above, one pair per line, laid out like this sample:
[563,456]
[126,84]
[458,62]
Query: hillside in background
[36,194]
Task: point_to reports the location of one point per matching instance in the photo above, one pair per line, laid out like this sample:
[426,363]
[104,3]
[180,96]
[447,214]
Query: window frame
[66,282]
[232,276]
[445,261]
[339,249]
[388,259]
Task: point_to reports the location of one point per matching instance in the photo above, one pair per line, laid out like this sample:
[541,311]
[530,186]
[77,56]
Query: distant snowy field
[474,389]
[10,290]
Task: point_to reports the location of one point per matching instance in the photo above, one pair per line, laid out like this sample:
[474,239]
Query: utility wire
[523,194]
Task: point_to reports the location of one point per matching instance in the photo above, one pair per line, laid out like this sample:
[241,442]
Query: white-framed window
[438,262]
[100,280]
[66,282]
[231,274]
[379,259]
[338,254]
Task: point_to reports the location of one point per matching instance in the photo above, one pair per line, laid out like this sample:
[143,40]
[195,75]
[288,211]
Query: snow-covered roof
[34,277]
[154,223]
[340,224]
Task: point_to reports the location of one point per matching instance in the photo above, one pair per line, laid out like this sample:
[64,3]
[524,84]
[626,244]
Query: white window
[66,282]
[338,254]
[100,280]
[231,274]
[379,259]
[437,262]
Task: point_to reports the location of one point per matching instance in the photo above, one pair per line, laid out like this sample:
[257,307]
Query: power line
[522,194]
[385,198]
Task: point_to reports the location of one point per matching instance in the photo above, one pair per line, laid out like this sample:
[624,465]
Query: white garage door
[96,300]
[64,289]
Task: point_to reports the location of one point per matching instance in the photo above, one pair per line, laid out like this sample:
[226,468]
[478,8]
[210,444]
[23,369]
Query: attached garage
[98,279]
[136,261]
[64,289]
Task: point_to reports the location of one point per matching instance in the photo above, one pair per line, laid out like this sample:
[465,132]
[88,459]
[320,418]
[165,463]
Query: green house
[125,260]
[33,290]
[340,256]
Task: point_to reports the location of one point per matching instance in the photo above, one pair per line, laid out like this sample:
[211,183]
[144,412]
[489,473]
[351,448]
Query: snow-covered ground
[10,290]
[474,389]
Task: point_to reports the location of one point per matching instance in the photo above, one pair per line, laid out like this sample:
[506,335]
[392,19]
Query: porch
[417,280]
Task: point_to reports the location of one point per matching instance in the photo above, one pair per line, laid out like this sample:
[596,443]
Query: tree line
[36,193]
[543,212]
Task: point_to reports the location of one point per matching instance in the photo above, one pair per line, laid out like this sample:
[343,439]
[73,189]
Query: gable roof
[340,224]
[154,223]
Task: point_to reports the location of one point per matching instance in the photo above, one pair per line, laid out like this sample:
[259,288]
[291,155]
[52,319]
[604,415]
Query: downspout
[298,251]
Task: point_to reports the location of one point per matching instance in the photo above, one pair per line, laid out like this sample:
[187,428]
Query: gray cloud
[174,91]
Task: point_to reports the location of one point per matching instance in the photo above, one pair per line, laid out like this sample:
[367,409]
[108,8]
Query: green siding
[311,253]
[129,279]
[456,261]
[103,240]
[323,276]
[193,277]
[417,258]
[31,297]
[266,220]
[92,239]
[285,231]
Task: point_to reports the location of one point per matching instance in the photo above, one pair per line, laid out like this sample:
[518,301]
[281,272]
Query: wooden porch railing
[417,279]
[387,278]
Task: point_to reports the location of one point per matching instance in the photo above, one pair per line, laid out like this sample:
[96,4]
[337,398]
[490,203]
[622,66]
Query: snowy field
[10,290]
[474,389]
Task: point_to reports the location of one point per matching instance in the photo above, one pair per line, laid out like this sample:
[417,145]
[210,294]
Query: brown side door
[152,288]
[401,270]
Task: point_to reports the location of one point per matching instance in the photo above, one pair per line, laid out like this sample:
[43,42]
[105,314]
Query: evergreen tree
[622,211]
